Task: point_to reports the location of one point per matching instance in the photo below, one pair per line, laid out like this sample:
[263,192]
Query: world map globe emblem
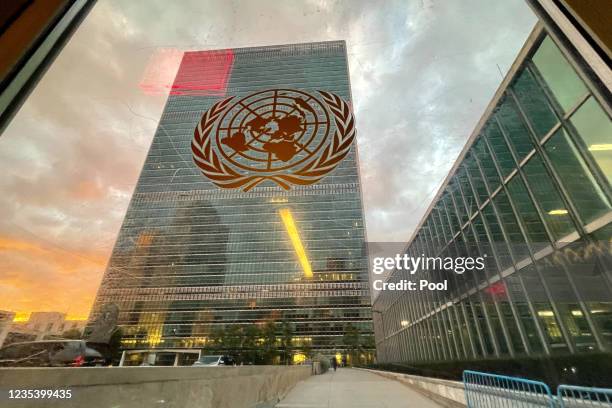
[287,136]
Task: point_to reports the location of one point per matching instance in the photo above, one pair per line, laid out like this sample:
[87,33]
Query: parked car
[50,353]
[213,361]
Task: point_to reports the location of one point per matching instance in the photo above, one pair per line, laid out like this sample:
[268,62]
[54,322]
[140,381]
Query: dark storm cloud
[422,73]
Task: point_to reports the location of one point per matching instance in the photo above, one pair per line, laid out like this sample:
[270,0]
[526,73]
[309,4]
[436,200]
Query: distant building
[6,321]
[193,259]
[531,190]
[43,325]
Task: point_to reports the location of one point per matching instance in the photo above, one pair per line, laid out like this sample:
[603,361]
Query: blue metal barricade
[484,390]
[571,396]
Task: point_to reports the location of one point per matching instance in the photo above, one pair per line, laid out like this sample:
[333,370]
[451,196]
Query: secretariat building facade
[531,192]
[205,248]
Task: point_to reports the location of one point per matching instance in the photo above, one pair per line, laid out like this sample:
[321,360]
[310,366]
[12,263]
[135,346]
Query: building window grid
[510,297]
[551,299]
[563,118]
[575,216]
[485,310]
[502,228]
[448,332]
[425,305]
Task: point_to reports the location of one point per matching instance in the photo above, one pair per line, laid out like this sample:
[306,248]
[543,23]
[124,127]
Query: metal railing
[572,396]
[484,390]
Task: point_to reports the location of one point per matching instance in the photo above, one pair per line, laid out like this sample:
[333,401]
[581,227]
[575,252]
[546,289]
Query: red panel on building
[199,73]
[204,73]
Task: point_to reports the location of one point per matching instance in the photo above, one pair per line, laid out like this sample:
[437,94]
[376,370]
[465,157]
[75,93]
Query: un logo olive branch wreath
[208,159]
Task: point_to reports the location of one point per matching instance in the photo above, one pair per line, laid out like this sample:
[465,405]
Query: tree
[286,331]
[233,341]
[250,345]
[352,340]
[270,349]
[73,334]
[216,340]
[307,350]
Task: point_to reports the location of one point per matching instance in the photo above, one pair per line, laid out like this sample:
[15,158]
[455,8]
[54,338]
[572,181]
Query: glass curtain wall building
[192,260]
[531,190]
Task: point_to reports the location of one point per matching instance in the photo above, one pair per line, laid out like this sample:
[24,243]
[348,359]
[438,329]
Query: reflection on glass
[528,214]
[453,189]
[558,74]
[515,128]
[500,149]
[514,235]
[478,309]
[534,103]
[547,196]
[486,163]
[589,200]
[551,327]
[474,328]
[595,129]
[577,326]
[466,188]
[479,245]
[497,236]
[476,178]
[514,286]
[450,208]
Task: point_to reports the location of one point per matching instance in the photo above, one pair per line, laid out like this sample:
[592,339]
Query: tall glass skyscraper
[192,258]
[531,191]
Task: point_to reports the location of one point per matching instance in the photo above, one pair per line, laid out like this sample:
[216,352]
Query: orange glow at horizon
[38,276]
[22,317]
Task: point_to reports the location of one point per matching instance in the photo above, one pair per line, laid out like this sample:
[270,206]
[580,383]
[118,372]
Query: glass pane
[595,128]
[476,178]
[477,308]
[588,198]
[515,237]
[466,188]
[558,74]
[443,221]
[452,214]
[513,330]
[528,214]
[453,188]
[486,163]
[548,198]
[515,289]
[500,149]
[499,241]
[552,330]
[471,321]
[534,104]
[515,128]
[479,246]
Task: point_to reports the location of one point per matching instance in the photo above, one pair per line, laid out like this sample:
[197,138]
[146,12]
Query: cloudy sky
[422,73]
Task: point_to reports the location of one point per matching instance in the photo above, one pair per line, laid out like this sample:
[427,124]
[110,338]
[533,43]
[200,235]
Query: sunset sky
[422,73]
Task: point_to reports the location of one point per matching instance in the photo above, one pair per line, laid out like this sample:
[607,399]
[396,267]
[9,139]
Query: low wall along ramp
[149,387]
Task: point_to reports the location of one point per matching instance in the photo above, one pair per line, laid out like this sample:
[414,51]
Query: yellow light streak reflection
[600,147]
[289,223]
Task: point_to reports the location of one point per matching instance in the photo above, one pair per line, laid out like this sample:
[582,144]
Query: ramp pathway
[352,388]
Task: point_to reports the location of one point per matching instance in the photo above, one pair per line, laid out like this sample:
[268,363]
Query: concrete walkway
[351,388]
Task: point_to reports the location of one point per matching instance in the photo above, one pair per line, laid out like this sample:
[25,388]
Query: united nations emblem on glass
[287,136]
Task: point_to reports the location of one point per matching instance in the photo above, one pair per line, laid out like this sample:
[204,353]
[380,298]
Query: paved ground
[350,388]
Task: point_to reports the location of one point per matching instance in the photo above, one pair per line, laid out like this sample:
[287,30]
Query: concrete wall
[449,394]
[147,387]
